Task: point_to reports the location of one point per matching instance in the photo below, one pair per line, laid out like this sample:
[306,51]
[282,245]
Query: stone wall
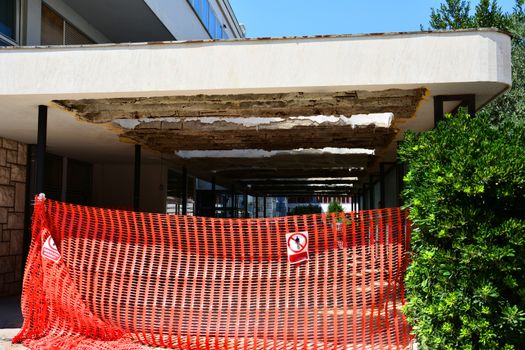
[13,160]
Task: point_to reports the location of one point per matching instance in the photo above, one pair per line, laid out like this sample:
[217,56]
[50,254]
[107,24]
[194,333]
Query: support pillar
[233,208]
[41,148]
[366,198]
[371,193]
[256,207]
[382,190]
[467,101]
[245,195]
[264,206]
[184,194]
[63,187]
[400,173]
[213,194]
[136,178]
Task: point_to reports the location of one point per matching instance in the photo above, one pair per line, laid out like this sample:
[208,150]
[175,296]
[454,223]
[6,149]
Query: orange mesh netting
[126,280]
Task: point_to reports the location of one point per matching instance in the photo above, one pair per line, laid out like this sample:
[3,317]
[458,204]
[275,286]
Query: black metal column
[438,109]
[400,173]
[264,206]
[41,148]
[184,194]
[365,204]
[213,194]
[136,178]
[371,205]
[246,203]
[468,101]
[382,190]
[234,204]
[256,207]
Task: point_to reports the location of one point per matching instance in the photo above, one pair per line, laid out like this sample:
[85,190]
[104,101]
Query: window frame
[13,41]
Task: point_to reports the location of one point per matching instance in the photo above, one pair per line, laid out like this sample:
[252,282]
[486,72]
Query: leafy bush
[335,207]
[306,209]
[466,191]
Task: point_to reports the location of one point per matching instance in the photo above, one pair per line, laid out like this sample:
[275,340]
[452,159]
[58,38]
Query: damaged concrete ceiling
[283,135]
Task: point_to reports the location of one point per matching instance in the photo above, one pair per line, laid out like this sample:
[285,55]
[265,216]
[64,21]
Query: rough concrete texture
[267,121]
[400,102]
[361,119]
[13,158]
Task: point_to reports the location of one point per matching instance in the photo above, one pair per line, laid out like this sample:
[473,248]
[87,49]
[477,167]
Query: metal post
[382,190]
[264,206]
[470,101]
[136,179]
[184,194]
[213,194]
[63,189]
[41,148]
[246,215]
[233,208]
[438,109]
[400,170]
[256,207]
[371,193]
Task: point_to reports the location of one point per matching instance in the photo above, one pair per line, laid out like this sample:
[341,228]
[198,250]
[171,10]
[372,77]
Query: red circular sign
[297,242]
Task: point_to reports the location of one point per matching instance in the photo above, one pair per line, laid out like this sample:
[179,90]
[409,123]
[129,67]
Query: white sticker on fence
[49,249]
[297,246]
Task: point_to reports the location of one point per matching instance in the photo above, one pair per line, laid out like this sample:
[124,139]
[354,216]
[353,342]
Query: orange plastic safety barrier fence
[108,279]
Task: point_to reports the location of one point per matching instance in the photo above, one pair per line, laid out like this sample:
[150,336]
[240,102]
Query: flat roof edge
[307,37]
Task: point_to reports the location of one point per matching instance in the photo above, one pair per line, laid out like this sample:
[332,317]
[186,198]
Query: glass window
[8,18]
[205,12]
[218,30]
[197,7]
[212,25]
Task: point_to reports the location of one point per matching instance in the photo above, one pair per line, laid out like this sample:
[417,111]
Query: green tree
[455,14]
[335,207]
[466,191]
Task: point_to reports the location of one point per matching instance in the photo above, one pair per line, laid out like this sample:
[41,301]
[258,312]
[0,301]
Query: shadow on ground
[10,322]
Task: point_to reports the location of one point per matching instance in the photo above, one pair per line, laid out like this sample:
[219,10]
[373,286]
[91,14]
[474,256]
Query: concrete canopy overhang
[302,93]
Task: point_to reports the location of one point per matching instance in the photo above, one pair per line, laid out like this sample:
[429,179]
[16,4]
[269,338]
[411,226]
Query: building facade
[73,22]
[79,22]
[158,105]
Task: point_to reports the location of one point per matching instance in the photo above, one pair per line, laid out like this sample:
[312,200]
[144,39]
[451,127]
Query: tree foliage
[466,191]
[335,207]
[306,209]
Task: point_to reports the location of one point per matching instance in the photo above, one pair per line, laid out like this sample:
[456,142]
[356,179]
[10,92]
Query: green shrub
[466,192]
[306,209]
[335,207]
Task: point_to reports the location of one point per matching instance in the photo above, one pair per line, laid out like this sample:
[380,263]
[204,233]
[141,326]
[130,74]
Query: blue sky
[264,18]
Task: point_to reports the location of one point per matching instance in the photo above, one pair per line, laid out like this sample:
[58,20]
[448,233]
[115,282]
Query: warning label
[49,249]
[297,246]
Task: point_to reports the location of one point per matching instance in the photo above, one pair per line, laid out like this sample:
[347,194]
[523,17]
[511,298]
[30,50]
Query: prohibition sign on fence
[297,246]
